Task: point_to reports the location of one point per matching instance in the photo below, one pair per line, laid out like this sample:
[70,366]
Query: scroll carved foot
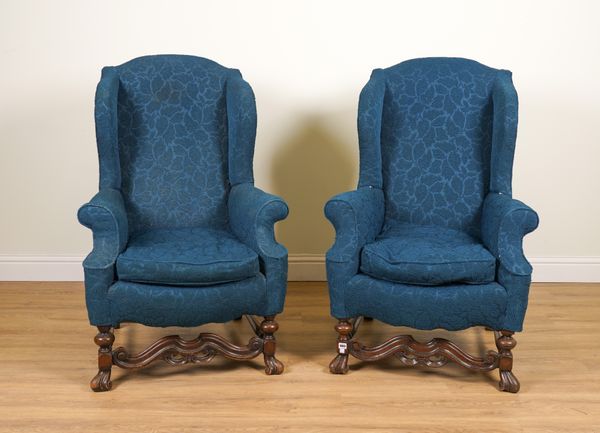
[101,381]
[104,339]
[268,327]
[339,365]
[508,382]
[273,365]
[505,343]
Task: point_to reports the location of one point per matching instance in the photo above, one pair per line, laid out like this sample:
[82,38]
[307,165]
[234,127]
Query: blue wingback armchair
[432,237]
[182,237]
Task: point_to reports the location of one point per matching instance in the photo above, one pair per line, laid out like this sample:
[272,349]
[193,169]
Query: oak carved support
[433,353]
[104,339]
[176,351]
[268,327]
[339,365]
[505,343]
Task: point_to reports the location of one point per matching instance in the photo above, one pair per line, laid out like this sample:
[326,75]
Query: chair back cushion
[172,139]
[436,137]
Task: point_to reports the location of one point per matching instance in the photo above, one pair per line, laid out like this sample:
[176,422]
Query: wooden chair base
[434,353]
[176,351]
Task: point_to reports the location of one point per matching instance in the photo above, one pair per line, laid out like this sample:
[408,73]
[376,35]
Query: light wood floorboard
[47,358]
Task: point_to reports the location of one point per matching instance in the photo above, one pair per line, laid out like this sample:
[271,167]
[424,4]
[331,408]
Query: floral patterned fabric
[186,256]
[427,255]
[437,139]
[175,138]
[156,305]
[447,306]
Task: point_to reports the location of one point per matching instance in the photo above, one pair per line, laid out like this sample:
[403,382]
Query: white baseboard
[306,267]
[41,268]
[583,269]
[302,267]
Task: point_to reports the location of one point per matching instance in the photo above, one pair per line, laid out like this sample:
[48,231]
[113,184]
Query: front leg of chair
[268,327]
[339,365]
[104,339]
[505,343]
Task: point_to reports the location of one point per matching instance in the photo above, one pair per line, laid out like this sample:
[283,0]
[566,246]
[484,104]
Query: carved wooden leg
[505,343]
[272,364]
[339,365]
[104,339]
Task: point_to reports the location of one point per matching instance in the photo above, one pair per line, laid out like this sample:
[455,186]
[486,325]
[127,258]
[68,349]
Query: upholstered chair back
[169,149]
[433,150]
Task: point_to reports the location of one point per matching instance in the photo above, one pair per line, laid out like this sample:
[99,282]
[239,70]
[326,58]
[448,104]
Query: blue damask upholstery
[186,256]
[446,306]
[432,238]
[181,235]
[427,255]
[156,305]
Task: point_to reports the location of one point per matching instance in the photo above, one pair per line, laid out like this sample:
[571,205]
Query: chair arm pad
[105,215]
[252,217]
[357,217]
[505,221]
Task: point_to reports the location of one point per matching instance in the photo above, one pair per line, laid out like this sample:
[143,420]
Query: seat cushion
[186,256]
[427,255]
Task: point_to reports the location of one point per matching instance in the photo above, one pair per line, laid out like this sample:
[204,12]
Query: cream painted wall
[307,61]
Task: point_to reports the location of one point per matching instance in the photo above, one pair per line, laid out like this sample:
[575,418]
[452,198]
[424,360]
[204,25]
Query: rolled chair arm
[105,215]
[505,222]
[357,217]
[252,217]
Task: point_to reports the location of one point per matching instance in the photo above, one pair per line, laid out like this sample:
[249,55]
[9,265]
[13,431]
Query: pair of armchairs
[182,237]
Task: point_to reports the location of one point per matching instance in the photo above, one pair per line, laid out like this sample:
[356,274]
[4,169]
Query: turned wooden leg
[505,343]
[272,364]
[104,339]
[339,365]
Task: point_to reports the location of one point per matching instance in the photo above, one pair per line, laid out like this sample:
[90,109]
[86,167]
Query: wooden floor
[47,358]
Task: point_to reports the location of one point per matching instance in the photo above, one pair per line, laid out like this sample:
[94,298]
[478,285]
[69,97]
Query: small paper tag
[342,347]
